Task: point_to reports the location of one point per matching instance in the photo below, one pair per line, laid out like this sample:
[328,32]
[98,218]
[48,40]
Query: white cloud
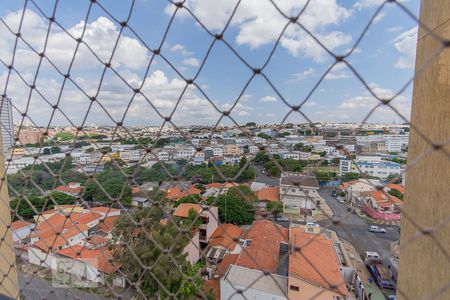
[361,4]
[100,35]
[191,62]
[243,113]
[268,99]
[181,49]
[394,29]
[302,75]
[405,43]
[259,23]
[356,108]
[339,71]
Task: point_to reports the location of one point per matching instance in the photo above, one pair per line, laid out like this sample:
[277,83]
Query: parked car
[282,219]
[312,224]
[392,297]
[377,229]
[334,193]
[340,199]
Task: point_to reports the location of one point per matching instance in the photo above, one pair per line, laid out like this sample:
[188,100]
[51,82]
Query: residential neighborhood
[251,206]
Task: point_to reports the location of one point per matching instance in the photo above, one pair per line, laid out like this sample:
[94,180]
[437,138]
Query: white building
[380,169]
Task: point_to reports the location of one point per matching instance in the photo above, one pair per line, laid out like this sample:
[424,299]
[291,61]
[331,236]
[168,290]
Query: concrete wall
[309,291]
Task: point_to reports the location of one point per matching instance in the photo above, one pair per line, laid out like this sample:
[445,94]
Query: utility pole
[8,274]
[424,266]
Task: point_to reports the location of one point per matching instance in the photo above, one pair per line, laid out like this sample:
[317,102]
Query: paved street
[262,177]
[354,229]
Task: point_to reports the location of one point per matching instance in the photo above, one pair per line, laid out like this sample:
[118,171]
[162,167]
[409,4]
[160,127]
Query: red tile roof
[107,224]
[98,258]
[263,252]
[229,259]
[269,194]
[184,208]
[316,261]
[224,236]
[66,189]
[105,210]
[20,224]
[397,187]
[215,185]
[384,199]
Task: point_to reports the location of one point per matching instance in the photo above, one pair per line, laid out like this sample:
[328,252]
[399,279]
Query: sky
[384,58]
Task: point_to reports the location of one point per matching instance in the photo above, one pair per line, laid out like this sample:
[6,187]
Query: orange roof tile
[97,239]
[59,237]
[229,259]
[20,224]
[98,258]
[193,191]
[66,189]
[184,208]
[214,285]
[107,224]
[215,185]
[105,210]
[269,194]
[316,261]
[224,235]
[263,252]
[397,187]
[385,199]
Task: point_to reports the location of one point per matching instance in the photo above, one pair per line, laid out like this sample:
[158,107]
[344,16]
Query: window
[293,190]
[294,288]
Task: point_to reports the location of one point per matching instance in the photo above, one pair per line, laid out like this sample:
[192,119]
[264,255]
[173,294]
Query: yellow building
[18,152]
[230,150]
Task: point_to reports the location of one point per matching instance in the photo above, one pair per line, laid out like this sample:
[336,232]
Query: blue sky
[384,58]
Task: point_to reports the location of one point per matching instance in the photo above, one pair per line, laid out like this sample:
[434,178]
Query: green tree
[335,161]
[275,207]
[64,136]
[350,176]
[264,136]
[396,193]
[261,157]
[55,149]
[234,208]
[46,151]
[142,234]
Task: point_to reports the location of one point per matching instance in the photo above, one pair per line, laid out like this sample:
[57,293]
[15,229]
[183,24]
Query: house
[224,240]
[266,252]
[314,268]
[176,193]
[139,198]
[56,210]
[71,189]
[86,264]
[63,230]
[299,192]
[266,195]
[21,230]
[281,263]
[357,189]
[209,216]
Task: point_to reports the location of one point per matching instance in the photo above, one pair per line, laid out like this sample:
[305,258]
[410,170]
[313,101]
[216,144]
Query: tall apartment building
[6,122]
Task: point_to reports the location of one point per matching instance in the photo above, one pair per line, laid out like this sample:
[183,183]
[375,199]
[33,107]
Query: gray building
[6,123]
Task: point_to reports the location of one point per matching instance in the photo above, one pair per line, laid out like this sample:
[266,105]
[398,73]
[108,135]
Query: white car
[378,229]
[312,224]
